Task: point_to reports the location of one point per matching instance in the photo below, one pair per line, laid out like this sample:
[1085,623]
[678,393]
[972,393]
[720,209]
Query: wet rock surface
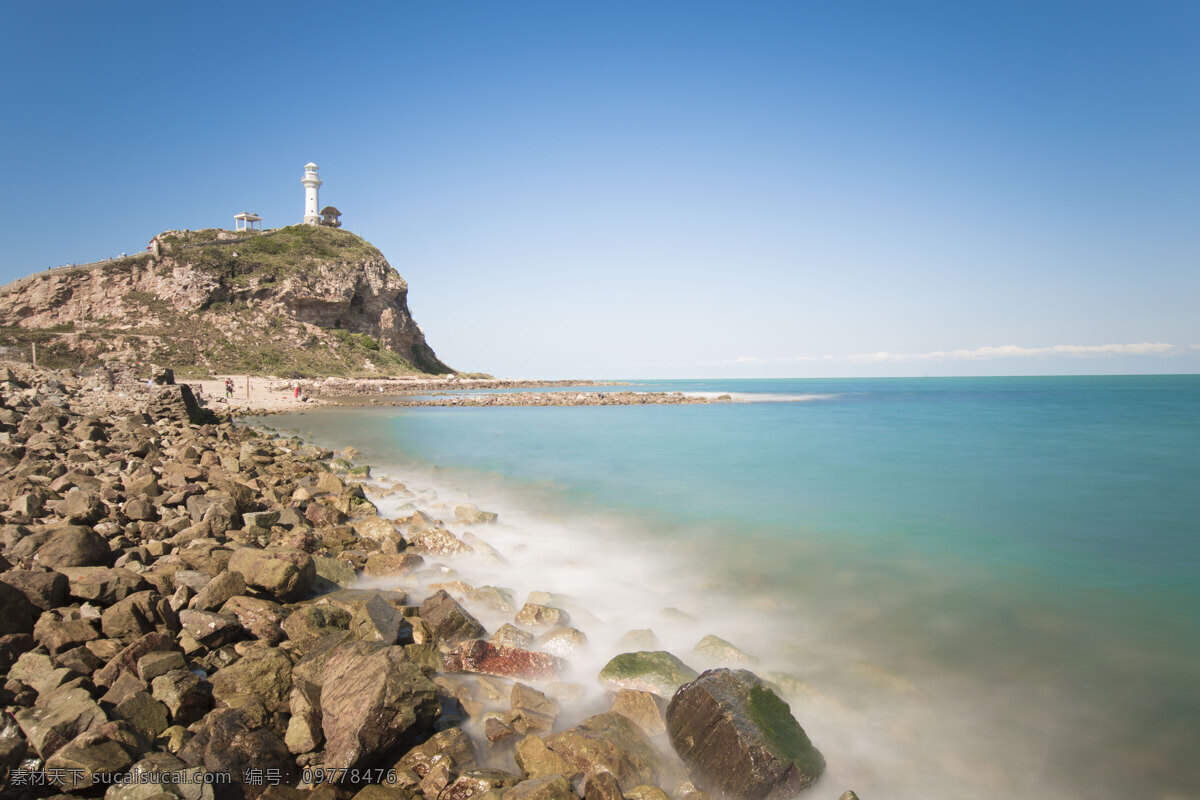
[738,738]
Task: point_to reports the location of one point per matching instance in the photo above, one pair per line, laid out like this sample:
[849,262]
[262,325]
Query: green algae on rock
[654,671]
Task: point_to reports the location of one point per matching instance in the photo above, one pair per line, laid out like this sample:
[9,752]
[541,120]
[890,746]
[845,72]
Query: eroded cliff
[305,300]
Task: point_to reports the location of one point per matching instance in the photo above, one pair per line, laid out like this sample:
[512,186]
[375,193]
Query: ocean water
[977,587]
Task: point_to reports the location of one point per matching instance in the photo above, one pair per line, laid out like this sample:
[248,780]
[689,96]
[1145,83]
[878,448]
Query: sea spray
[977,585]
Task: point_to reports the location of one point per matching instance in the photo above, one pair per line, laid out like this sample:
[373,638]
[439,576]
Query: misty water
[974,587]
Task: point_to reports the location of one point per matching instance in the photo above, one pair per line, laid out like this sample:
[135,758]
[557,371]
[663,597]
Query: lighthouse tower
[311,181]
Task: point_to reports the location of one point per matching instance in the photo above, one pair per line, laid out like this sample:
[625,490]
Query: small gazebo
[329,217]
[247,221]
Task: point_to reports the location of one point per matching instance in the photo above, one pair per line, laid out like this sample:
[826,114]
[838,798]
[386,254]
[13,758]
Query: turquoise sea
[983,587]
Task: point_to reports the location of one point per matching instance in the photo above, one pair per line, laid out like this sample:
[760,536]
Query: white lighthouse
[311,181]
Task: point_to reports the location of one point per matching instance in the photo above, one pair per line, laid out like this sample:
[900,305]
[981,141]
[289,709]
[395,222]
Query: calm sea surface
[983,587]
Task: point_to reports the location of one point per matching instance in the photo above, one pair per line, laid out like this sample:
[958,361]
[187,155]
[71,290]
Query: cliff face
[306,300]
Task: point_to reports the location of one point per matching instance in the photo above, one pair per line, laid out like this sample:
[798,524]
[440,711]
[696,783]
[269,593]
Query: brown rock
[59,635]
[304,733]
[602,786]
[550,787]
[144,713]
[102,585]
[211,630]
[538,616]
[644,708]
[233,740]
[187,696]
[738,738]
[608,743]
[449,621]
[384,564]
[218,591]
[537,760]
[478,783]
[74,546]
[137,614]
[17,614]
[81,508]
[287,574]
[45,590]
[262,619]
[63,716]
[78,765]
[126,660]
[452,744]
[264,673]
[371,697]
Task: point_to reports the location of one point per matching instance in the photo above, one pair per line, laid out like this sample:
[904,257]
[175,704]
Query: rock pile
[178,620]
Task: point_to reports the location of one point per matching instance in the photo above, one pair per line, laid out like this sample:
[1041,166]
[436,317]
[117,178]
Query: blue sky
[656,189]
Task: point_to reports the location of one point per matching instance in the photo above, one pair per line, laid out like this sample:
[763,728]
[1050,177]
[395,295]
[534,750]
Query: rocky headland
[297,301]
[191,608]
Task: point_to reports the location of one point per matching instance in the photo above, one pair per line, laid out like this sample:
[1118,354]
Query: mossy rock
[654,671]
[737,738]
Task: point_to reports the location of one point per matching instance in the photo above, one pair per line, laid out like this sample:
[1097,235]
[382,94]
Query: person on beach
[296,389]
[229,388]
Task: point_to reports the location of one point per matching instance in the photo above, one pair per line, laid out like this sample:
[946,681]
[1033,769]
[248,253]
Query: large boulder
[137,614]
[265,674]
[102,585]
[371,699]
[737,738]
[79,765]
[46,590]
[449,621]
[17,613]
[234,740]
[285,573]
[59,718]
[58,635]
[654,671]
[218,591]
[186,695]
[608,743]
[74,546]
[262,619]
[80,507]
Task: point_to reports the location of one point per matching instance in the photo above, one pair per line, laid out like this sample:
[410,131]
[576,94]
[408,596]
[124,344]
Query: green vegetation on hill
[269,255]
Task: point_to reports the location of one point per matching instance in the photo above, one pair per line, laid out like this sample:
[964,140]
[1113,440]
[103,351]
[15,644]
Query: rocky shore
[190,608]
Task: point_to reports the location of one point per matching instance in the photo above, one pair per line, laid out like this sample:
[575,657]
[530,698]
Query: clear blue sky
[656,188]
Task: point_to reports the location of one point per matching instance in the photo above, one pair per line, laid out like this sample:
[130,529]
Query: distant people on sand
[229,388]
[296,389]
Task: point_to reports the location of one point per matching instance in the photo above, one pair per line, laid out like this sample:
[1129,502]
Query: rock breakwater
[183,599]
[534,399]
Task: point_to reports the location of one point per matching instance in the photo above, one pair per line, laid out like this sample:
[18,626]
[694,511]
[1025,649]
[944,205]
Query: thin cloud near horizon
[979,353]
